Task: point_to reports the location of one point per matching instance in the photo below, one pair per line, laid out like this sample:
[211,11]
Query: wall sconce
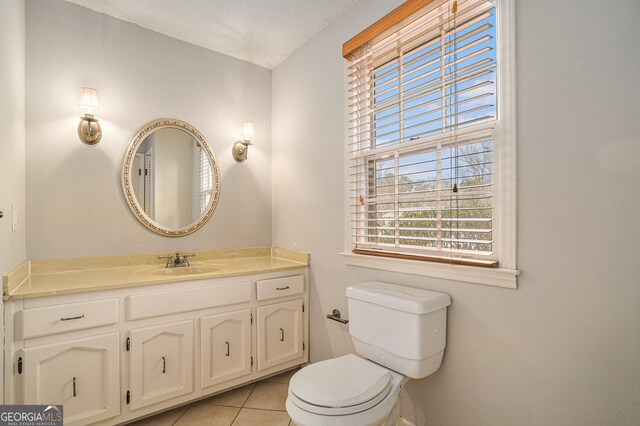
[89,129]
[240,148]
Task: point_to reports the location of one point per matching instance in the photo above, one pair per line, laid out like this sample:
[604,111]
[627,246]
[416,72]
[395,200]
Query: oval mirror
[170,177]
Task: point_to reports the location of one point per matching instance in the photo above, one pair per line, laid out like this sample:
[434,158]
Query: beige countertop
[51,277]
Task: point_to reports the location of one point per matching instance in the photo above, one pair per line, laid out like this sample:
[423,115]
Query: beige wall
[75,205]
[12,129]
[563,348]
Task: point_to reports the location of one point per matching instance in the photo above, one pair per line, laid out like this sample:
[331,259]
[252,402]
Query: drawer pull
[164,365]
[227,348]
[281,335]
[283,288]
[72,318]
[74,388]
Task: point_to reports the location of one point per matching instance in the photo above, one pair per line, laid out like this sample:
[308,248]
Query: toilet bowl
[400,332]
[344,391]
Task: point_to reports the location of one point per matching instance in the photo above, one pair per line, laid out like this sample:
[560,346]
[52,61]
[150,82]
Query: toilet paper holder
[337,316]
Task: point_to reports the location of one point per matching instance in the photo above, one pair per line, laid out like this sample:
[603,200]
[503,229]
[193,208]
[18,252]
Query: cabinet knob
[227,348]
[164,365]
[75,393]
[281,335]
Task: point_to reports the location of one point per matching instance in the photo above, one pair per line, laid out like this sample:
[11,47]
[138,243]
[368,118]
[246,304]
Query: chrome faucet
[180,261]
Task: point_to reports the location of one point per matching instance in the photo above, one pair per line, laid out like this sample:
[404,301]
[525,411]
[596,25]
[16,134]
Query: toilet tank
[402,328]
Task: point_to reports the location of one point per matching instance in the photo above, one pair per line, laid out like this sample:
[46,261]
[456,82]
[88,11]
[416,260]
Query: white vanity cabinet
[161,362]
[280,325]
[81,374]
[225,346]
[130,352]
[280,336]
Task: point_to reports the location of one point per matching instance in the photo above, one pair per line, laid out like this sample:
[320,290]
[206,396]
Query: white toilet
[401,331]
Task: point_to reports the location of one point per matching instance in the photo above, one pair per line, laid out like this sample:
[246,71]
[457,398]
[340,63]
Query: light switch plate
[14,217]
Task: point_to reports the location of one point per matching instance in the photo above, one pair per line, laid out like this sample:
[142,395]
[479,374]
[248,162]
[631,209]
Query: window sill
[497,277]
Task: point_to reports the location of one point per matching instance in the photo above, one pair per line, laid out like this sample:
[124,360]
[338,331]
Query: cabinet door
[225,346]
[83,375]
[161,363]
[279,333]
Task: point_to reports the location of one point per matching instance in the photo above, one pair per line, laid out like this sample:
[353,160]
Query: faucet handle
[169,258]
[189,255]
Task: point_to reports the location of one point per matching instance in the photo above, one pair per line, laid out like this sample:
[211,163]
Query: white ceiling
[264,32]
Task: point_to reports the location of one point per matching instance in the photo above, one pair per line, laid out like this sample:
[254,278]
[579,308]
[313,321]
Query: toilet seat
[340,386]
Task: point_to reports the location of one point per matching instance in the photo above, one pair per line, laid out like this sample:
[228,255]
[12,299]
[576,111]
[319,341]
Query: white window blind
[204,180]
[423,111]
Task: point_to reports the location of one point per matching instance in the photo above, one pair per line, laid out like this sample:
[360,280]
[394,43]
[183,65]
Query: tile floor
[257,404]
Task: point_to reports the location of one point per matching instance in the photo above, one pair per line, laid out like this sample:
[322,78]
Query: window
[204,180]
[431,147]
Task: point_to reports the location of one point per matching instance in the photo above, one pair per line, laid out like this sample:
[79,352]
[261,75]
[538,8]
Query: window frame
[505,179]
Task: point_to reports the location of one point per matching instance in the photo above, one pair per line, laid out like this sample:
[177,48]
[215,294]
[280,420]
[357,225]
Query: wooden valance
[391,19]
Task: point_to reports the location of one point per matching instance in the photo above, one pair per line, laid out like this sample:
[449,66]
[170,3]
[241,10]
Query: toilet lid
[340,382]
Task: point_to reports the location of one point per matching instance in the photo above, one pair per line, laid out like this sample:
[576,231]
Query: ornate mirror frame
[127,186]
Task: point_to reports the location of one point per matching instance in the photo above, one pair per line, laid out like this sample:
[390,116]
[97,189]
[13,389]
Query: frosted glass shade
[247,130]
[89,99]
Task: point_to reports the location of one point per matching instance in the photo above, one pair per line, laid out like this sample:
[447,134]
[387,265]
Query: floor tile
[268,396]
[232,398]
[163,419]
[208,415]
[250,417]
[282,378]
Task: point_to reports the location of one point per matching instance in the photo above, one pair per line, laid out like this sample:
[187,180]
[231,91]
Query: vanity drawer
[172,302]
[279,287]
[36,322]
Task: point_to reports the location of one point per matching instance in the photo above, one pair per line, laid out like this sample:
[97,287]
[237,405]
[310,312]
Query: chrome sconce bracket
[89,129]
[240,149]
